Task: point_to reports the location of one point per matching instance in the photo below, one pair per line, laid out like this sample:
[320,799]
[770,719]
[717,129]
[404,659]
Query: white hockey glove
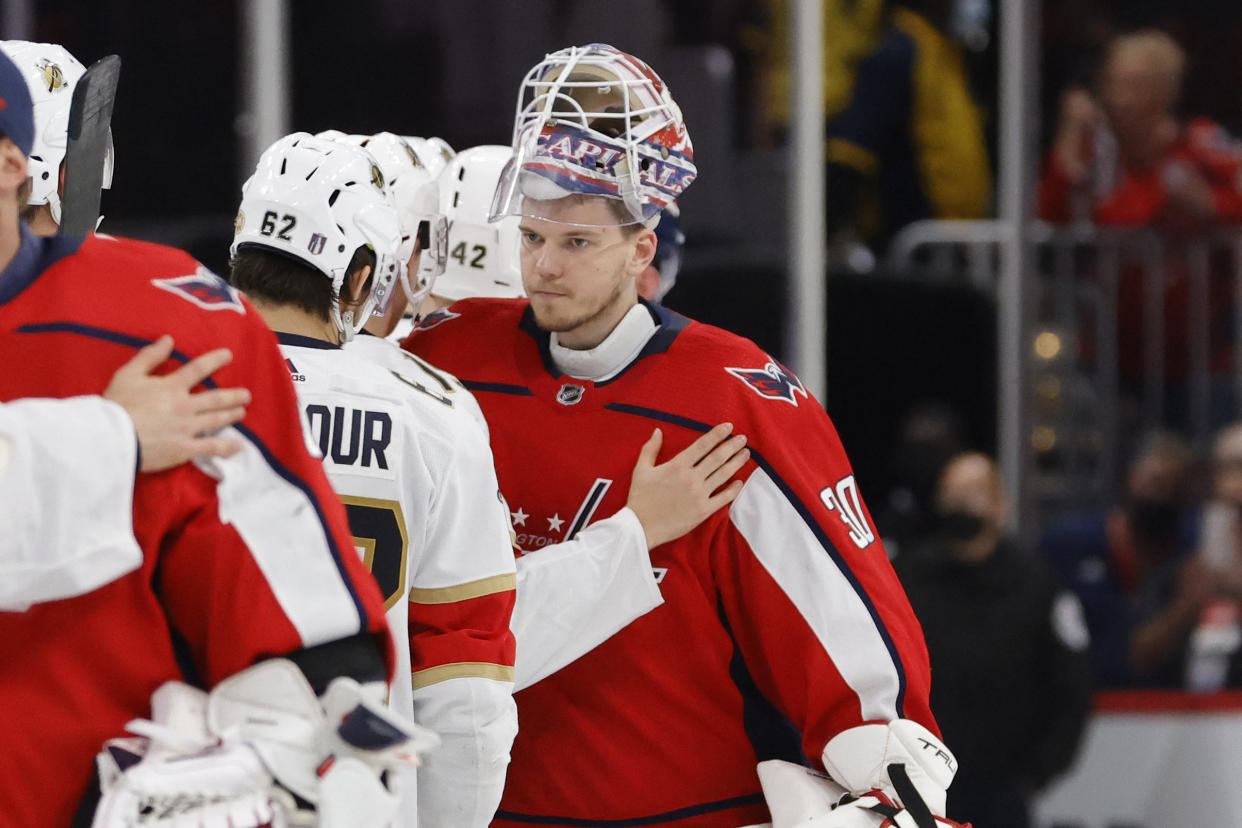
[259,750]
[879,775]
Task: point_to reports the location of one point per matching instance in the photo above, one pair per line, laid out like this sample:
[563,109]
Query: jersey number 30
[843,499]
[378,527]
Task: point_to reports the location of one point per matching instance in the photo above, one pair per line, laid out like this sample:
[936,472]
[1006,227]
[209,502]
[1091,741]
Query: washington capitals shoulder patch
[205,289]
[438,317]
[771,382]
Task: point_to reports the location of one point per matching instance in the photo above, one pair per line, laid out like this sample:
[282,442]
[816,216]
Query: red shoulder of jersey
[466,335]
[139,287]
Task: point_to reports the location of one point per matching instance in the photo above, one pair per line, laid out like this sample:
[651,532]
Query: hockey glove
[888,774]
[260,749]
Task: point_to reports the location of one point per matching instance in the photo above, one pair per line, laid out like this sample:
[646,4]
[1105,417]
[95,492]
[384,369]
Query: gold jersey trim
[464,592]
[462,669]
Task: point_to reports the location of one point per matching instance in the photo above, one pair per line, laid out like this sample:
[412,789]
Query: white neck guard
[608,358]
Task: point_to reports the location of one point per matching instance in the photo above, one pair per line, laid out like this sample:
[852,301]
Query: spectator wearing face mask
[1131,568]
[1011,680]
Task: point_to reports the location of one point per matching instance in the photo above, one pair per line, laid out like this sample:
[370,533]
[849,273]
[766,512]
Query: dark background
[452,67]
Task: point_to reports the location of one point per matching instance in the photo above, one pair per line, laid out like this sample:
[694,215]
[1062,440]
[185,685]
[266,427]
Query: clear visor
[431,243]
[388,272]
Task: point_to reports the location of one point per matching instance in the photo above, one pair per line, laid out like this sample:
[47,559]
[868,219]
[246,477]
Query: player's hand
[672,498]
[173,424]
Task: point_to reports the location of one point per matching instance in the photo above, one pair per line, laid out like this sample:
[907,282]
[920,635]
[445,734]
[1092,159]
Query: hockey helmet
[418,201]
[318,201]
[483,258]
[51,73]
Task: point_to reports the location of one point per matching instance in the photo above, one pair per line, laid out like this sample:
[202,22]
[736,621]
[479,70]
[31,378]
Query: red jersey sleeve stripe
[467,631]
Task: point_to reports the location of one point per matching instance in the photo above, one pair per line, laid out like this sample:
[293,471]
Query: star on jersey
[519,517]
[554,523]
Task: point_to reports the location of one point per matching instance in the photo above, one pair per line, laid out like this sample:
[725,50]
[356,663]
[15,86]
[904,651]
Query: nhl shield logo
[570,394]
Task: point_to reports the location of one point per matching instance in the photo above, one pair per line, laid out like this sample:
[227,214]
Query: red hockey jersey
[244,558]
[783,623]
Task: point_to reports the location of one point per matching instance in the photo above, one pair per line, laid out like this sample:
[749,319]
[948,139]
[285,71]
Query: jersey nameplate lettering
[353,437]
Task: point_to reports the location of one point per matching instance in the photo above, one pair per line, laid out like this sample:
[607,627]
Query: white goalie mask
[417,196]
[482,257]
[318,201]
[433,152]
[593,120]
[51,73]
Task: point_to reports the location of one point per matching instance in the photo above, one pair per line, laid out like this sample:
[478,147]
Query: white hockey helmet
[51,73]
[593,120]
[433,152]
[417,196]
[483,258]
[318,201]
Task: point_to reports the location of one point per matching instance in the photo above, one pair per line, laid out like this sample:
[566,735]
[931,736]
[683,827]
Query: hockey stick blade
[90,118]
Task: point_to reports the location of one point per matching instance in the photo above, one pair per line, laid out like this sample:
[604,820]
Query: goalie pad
[260,749]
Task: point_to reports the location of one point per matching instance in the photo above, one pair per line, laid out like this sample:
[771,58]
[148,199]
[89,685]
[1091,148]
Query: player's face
[580,271]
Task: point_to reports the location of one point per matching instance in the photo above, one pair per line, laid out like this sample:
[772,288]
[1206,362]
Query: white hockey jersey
[67,488]
[572,596]
[417,479]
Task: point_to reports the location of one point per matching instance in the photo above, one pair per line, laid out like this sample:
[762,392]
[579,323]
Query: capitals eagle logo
[771,382]
[205,289]
[436,317]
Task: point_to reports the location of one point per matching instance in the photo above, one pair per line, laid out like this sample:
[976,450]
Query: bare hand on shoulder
[672,498]
[174,424]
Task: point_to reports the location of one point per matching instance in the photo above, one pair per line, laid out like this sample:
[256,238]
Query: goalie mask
[318,201]
[51,74]
[483,258]
[595,121]
[417,196]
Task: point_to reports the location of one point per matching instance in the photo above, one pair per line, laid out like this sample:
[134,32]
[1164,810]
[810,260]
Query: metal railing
[1101,369]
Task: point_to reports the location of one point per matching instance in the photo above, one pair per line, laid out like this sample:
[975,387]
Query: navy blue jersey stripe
[807,517]
[498,388]
[305,341]
[771,733]
[285,473]
[654,819]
